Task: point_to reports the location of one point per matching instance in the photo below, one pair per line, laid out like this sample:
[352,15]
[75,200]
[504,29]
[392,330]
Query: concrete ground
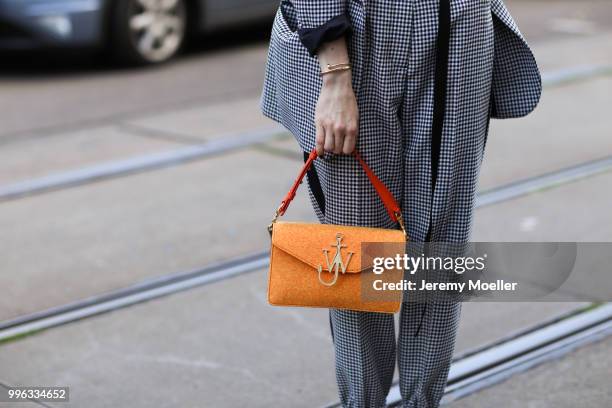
[221,345]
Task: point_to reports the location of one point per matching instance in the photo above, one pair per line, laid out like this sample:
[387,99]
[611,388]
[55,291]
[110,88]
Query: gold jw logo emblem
[336,265]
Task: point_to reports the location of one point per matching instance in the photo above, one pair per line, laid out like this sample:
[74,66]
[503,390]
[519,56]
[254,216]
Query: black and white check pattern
[392,46]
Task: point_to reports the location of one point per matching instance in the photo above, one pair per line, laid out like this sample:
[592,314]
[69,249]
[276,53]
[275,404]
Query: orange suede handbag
[331,266]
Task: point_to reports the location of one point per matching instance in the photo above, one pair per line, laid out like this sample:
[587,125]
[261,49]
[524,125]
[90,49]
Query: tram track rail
[138,164]
[495,362]
[544,343]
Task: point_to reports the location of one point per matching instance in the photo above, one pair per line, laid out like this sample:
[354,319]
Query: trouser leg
[426,343]
[428,328]
[364,346]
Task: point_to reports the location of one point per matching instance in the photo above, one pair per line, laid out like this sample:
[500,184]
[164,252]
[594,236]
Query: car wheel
[148,31]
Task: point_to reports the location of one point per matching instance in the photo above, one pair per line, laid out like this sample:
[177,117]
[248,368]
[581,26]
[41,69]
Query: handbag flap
[308,243]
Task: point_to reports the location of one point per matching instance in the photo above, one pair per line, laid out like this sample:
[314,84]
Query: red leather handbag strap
[385,195]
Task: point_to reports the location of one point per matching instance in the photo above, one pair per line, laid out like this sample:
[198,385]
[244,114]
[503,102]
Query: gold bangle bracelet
[336,67]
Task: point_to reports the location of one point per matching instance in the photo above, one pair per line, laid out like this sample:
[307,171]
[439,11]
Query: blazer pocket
[294,74]
[287,20]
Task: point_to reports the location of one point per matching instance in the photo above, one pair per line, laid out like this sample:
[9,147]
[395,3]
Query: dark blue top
[334,28]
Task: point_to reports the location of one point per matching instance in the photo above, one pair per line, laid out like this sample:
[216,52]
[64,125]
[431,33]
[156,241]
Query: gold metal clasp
[336,265]
[400,221]
[276,215]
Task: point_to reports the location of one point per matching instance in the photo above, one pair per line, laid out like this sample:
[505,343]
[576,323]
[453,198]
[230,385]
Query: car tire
[146,32]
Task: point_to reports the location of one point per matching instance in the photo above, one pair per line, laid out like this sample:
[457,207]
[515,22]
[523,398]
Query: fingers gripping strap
[385,195]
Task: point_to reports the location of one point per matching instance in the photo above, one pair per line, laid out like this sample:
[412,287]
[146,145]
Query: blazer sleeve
[332,29]
[313,13]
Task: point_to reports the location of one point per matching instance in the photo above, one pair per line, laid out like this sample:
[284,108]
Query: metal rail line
[499,361]
[137,164]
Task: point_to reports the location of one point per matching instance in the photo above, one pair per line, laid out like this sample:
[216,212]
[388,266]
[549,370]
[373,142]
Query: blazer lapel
[501,11]
[517,84]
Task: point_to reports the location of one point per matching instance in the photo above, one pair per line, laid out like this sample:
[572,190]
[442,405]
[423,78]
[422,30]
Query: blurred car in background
[136,31]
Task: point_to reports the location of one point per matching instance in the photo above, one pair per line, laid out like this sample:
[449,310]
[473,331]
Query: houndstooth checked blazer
[505,84]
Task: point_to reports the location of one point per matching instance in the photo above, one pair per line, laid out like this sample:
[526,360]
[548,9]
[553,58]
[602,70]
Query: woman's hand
[336,114]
